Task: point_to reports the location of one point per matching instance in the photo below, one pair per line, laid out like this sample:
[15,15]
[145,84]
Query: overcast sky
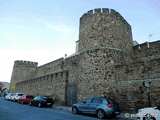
[45,30]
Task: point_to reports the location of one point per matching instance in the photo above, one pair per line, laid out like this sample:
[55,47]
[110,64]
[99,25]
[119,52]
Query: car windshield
[45,97]
[111,101]
[20,94]
[29,96]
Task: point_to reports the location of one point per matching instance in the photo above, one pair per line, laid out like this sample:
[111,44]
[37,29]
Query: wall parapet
[42,77]
[147,49]
[52,62]
[103,11]
[23,62]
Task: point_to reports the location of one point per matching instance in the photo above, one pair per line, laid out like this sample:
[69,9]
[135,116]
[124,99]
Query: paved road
[15,111]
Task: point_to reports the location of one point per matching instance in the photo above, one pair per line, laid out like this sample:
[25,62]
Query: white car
[150,113]
[16,96]
[8,96]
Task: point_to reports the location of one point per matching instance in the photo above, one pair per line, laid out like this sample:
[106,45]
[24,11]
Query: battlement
[104,12]
[147,49]
[57,61]
[26,63]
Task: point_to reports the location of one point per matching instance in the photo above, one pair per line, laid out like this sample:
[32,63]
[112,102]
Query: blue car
[102,107]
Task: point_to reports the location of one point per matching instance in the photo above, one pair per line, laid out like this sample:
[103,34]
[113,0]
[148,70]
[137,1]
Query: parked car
[102,107]
[25,99]
[8,96]
[16,96]
[150,113]
[41,101]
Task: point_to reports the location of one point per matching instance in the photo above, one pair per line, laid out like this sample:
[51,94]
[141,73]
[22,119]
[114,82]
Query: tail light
[109,105]
[44,100]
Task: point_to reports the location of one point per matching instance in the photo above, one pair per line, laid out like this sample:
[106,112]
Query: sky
[45,30]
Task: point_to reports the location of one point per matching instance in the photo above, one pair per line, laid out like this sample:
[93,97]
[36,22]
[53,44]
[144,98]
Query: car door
[35,100]
[94,105]
[84,107]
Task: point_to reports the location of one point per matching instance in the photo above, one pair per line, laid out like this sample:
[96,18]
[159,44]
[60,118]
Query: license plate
[48,103]
[116,112]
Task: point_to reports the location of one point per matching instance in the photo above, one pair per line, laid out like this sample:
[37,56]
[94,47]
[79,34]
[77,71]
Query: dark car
[25,99]
[102,107]
[41,101]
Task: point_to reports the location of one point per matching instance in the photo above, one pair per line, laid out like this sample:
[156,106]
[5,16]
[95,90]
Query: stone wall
[22,70]
[106,64]
[105,28]
[147,49]
[132,95]
[53,85]
[51,67]
[97,72]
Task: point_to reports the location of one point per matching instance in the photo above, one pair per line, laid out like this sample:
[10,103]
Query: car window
[45,97]
[95,100]
[88,100]
[39,98]
[24,96]
[29,96]
[20,94]
[36,98]
[111,101]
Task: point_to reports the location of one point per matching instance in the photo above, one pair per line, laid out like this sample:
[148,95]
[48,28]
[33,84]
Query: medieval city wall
[147,49]
[106,64]
[49,68]
[53,85]
[105,28]
[132,95]
[22,70]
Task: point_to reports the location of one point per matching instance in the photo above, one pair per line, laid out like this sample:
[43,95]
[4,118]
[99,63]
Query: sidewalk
[60,107]
[126,116]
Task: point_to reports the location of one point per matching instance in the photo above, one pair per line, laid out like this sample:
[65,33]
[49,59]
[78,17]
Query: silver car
[102,107]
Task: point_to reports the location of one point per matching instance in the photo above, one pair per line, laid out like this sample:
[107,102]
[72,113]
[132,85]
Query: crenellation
[89,13]
[97,11]
[29,63]
[147,49]
[105,11]
[113,12]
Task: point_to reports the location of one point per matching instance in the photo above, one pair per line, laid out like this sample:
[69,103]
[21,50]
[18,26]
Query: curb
[65,108]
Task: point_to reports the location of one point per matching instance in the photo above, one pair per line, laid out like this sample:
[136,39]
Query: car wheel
[100,114]
[30,103]
[39,105]
[148,117]
[75,110]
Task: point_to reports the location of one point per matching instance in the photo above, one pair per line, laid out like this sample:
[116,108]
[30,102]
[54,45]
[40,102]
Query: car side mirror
[84,102]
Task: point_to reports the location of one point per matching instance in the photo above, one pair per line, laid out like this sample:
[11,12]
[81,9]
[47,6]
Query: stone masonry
[105,64]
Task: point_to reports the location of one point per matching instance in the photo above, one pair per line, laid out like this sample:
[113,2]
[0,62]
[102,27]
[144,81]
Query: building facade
[105,64]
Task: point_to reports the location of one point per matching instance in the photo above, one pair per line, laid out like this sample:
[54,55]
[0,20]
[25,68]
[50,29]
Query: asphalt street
[15,111]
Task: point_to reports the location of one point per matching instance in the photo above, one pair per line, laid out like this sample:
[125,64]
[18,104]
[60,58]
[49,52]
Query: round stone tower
[105,40]
[21,71]
[105,28]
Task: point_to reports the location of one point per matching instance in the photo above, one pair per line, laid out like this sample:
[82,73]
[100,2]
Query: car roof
[101,98]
